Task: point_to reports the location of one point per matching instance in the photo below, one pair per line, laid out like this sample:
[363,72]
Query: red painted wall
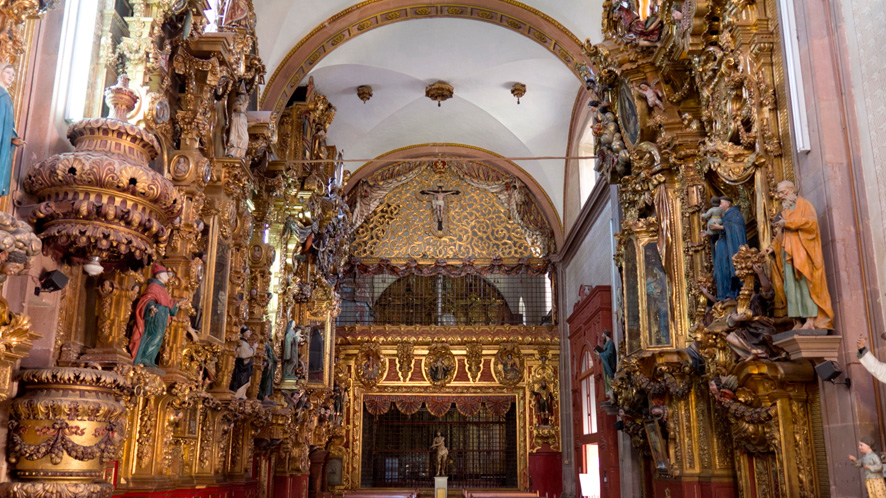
[245,490]
[590,316]
[546,472]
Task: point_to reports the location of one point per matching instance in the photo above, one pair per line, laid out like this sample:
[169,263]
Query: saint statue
[291,340]
[242,376]
[152,313]
[729,235]
[799,262]
[238,138]
[266,387]
[544,404]
[9,139]
[442,453]
[609,359]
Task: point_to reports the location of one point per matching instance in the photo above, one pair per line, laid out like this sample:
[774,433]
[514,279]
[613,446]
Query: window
[78,52]
[588,395]
[212,14]
[791,41]
[587,175]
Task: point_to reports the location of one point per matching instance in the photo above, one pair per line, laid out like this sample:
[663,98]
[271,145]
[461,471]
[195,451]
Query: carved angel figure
[17,245]
[652,94]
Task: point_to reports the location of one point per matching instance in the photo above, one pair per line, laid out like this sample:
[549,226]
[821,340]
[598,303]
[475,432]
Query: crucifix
[439,202]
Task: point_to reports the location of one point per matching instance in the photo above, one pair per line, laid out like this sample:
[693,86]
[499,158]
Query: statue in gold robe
[799,263]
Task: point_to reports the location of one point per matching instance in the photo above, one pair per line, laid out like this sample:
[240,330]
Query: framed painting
[319,336]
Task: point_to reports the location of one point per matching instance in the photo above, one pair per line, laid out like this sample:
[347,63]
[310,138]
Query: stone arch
[467,152]
[372,14]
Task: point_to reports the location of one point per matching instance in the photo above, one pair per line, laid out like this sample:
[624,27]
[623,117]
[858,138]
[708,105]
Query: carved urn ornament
[438,92]
[103,200]
[63,431]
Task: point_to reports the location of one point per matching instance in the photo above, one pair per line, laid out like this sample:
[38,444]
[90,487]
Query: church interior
[403,248]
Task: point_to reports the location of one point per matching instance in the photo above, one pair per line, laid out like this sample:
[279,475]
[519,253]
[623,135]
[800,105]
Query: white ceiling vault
[480,60]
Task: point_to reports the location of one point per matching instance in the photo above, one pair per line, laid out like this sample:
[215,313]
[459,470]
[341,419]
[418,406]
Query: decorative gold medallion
[439,365]
[370,365]
[507,366]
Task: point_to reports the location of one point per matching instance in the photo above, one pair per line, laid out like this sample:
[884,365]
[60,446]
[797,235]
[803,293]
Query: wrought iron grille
[442,300]
[482,449]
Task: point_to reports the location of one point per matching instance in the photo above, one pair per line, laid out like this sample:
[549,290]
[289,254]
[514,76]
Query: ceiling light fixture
[438,92]
[364,92]
[518,90]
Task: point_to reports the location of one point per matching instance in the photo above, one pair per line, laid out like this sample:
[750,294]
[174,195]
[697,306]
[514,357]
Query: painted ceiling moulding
[467,152]
[367,16]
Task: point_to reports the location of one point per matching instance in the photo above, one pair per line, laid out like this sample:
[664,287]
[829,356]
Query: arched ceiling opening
[482,60]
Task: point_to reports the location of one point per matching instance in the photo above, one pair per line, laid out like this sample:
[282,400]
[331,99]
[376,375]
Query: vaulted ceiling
[481,60]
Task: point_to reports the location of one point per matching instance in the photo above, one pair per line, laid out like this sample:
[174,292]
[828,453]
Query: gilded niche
[451,210]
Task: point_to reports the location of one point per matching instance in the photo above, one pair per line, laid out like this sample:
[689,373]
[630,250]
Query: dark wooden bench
[378,493]
[499,494]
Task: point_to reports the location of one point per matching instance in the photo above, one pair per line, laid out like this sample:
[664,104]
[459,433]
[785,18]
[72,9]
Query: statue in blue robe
[9,139]
[728,237]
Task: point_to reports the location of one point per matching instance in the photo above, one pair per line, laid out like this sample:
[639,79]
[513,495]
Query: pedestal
[440,486]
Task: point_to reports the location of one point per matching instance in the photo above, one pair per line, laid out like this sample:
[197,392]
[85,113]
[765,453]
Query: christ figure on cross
[439,202]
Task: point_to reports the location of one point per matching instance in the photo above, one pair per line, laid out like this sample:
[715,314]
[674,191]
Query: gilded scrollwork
[405,360]
[474,360]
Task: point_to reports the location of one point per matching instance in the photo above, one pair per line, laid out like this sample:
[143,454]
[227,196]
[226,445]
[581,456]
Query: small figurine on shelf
[242,376]
[714,216]
[266,387]
[9,139]
[152,314]
[873,468]
[442,453]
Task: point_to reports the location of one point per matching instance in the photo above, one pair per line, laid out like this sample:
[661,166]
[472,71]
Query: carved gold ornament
[474,360]
[405,360]
[102,199]
[66,426]
[439,366]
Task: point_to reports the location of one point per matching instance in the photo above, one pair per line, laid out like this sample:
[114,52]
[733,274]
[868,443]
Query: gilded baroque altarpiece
[690,104]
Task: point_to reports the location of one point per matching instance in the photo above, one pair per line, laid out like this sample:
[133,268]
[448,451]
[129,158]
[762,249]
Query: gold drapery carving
[393,219]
